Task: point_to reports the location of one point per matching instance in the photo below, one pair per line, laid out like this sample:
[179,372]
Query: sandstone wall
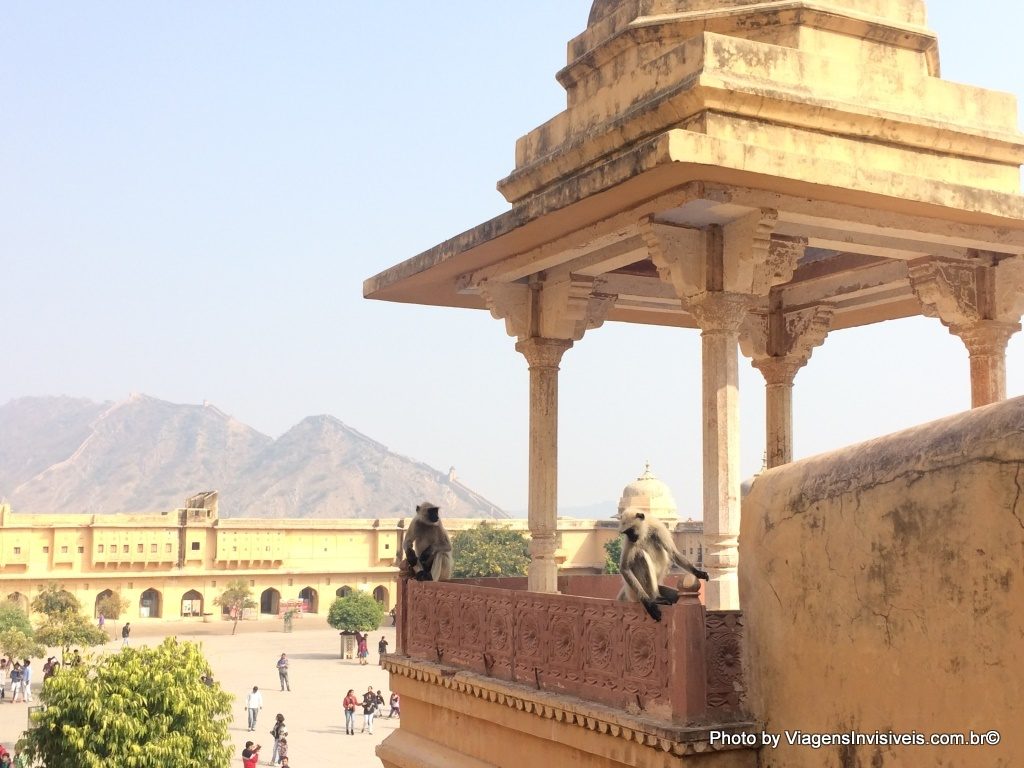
[883,588]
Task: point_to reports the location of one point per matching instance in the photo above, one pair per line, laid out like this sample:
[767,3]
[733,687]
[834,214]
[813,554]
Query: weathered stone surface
[883,588]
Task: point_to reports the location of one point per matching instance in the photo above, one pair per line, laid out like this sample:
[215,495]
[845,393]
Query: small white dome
[649,495]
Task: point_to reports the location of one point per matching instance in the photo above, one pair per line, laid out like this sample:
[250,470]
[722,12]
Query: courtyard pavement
[312,710]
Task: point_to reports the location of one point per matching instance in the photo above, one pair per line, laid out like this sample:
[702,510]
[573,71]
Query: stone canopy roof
[819,130]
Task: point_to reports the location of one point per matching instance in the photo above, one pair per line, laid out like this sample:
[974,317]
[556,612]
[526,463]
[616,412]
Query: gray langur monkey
[428,550]
[648,554]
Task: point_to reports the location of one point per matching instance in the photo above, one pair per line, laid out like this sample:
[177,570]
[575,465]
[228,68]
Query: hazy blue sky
[192,193]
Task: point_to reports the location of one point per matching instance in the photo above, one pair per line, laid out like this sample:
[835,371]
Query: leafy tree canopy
[144,708]
[16,644]
[236,597]
[357,611]
[12,617]
[490,550]
[112,606]
[55,600]
[613,553]
[67,629]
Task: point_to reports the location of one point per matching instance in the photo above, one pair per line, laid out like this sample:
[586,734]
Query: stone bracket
[779,343]
[740,257]
[563,308]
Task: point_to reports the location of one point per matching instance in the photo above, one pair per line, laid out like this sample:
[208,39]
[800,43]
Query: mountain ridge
[145,454]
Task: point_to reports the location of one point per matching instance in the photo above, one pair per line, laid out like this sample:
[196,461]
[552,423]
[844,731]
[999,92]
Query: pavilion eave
[587,223]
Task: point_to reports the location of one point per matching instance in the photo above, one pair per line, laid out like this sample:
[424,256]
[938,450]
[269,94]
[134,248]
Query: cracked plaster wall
[883,588]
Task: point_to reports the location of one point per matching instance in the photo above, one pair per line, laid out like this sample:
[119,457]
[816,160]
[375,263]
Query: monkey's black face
[432,514]
[631,534]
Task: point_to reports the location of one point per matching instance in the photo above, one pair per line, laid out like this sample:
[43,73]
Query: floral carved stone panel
[726,688]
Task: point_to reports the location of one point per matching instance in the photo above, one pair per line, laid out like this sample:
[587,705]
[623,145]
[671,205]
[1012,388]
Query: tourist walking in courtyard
[278,731]
[361,644]
[15,681]
[282,672]
[382,648]
[253,704]
[5,667]
[349,705]
[395,710]
[125,631]
[370,707]
[26,681]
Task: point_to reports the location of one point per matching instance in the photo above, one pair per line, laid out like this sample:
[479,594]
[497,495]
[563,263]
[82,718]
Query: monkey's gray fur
[428,550]
[648,554]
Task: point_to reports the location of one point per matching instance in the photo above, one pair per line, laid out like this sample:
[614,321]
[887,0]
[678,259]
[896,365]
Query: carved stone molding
[678,741]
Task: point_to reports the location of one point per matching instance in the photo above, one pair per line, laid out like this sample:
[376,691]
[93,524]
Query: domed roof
[649,495]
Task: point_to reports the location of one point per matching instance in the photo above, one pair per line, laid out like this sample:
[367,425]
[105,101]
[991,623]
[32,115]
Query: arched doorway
[192,604]
[150,604]
[19,600]
[380,594]
[99,598]
[270,601]
[344,591]
[312,599]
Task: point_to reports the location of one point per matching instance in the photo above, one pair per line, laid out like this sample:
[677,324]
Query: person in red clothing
[349,704]
[250,755]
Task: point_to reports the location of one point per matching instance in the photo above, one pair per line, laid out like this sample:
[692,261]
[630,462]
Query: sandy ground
[312,710]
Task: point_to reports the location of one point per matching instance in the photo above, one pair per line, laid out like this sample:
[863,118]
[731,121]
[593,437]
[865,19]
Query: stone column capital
[985,337]
[720,311]
[779,371]
[541,353]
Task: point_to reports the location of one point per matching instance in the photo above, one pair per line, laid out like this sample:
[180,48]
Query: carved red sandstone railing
[595,649]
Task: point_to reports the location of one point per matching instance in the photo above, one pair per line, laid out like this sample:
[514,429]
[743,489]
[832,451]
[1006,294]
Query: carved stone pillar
[543,357]
[720,315]
[986,342]
[778,373]
[546,316]
[779,344]
[980,299]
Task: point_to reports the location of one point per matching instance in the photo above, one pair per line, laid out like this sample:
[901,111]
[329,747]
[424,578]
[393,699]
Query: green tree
[112,606]
[236,597]
[357,611]
[16,644]
[17,637]
[64,630]
[12,617]
[144,708]
[490,550]
[55,600]
[613,553]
